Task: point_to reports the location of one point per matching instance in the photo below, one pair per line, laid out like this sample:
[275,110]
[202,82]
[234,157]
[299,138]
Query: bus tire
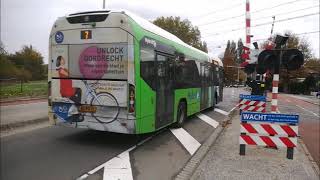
[181,115]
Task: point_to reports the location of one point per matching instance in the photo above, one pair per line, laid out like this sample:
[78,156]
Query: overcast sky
[30,21]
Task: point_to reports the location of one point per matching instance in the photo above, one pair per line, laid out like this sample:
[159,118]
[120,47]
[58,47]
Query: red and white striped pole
[274,101]
[246,48]
[248,24]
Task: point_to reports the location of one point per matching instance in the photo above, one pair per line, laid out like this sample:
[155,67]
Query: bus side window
[147,68]
[186,74]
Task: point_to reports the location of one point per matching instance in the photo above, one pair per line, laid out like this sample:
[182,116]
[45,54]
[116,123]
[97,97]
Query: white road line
[221,111]
[208,120]
[186,140]
[118,167]
[122,156]
[82,177]
[308,110]
[104,164]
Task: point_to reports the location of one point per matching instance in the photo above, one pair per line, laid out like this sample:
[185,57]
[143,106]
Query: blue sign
[59,37]
[61,109]
[274,118]
[253,97]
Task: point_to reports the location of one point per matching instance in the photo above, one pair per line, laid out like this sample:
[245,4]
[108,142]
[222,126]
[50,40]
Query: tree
[2,49]
[229,63]
[29,60]
[240,51]
[7,67]
[183,29]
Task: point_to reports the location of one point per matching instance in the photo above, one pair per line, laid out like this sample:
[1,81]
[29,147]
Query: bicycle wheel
[108,107]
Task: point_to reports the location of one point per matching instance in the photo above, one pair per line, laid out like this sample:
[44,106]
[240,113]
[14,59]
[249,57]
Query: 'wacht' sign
[274,118]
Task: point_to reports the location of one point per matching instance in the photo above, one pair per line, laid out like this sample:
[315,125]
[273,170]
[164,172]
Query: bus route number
[87,34]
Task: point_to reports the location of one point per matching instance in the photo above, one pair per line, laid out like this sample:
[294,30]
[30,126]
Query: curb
[3,101]
[311,160]
[190,167]
[16,125]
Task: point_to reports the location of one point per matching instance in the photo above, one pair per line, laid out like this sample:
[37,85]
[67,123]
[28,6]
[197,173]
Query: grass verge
[29,89]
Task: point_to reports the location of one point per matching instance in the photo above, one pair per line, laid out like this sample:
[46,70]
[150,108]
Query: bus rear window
[87,18]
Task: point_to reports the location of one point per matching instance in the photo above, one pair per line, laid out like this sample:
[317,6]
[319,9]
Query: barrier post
[243,146]
[290,153]
[290,150]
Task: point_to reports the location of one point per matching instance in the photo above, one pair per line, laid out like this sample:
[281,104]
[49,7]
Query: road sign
[274,118]
[253,97]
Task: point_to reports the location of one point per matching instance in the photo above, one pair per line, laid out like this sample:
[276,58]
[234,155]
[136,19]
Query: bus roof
[146,25]
[218,60]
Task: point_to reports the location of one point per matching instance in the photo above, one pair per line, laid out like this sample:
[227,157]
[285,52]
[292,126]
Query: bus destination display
[87,34]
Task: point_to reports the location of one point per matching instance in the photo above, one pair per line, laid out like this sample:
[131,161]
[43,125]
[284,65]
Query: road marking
[308,110]
[221,111]
[186,140]
[288,100]
[123,157]
[233,108]
[208,120]
[118,167]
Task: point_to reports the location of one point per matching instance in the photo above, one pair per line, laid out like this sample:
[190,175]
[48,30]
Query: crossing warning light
[291,59]
[266,61]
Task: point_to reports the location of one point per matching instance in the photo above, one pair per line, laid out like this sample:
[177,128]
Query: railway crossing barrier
[271,130]
[253,103]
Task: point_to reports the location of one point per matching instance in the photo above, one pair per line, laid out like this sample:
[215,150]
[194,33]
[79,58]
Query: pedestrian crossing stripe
[208,120]
[221,111]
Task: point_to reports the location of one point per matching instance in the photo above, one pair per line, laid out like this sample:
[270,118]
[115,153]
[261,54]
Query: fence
[11,81]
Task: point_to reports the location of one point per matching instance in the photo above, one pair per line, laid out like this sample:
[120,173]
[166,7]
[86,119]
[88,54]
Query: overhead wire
[262,24]
[289,12]
[263,39]
[298,34]
[282,4]
[237,16]
[219,10]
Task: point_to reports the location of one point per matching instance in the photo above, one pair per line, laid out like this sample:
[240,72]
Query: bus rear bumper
[120,125]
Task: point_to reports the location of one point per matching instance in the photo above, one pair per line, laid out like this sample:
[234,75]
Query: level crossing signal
[291,59]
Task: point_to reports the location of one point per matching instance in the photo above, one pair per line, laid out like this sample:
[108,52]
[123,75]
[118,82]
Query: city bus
[115,71]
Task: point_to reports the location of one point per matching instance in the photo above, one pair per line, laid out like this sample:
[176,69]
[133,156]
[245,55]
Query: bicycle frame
[90,91]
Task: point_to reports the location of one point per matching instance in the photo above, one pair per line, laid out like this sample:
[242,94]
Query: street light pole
[104,4]
[238,75]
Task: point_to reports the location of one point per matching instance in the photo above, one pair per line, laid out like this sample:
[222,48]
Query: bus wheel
[181,115]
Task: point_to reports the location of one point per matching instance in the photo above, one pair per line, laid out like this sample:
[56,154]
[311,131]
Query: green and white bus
[115,71]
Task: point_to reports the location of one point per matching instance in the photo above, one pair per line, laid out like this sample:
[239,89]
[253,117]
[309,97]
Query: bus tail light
[49,94]
[131,98]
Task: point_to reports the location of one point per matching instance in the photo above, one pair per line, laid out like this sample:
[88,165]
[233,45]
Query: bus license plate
[88,108]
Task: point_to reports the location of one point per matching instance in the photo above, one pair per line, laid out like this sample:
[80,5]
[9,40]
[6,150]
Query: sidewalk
[15,114]
[224,162]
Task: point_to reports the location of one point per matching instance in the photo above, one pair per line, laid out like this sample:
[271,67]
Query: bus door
[164,89]
[204,87]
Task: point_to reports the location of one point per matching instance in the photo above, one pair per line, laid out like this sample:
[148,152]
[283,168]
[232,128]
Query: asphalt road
[66,153]
[309,126]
